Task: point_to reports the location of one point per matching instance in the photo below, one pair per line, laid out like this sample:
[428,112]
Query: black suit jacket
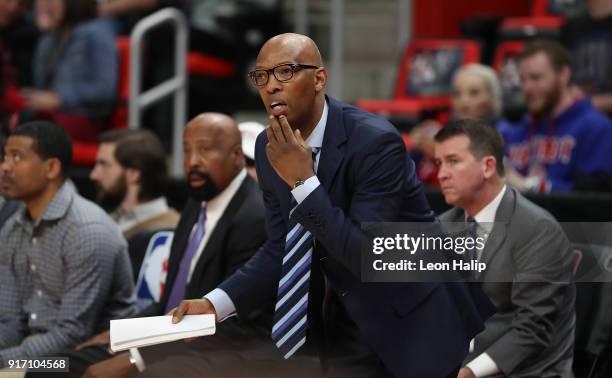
[236,237]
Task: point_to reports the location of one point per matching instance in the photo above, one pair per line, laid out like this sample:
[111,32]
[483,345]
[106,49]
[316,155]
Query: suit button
[343,293]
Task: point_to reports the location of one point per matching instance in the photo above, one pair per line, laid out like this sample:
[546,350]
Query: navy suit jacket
[417,329]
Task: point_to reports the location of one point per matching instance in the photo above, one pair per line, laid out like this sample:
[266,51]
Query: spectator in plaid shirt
[64,268]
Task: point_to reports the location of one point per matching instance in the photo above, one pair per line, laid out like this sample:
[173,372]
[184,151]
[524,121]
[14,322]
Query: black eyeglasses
[282,73]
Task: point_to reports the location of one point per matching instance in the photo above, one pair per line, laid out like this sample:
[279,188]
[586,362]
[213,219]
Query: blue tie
[290,314]
[180,282]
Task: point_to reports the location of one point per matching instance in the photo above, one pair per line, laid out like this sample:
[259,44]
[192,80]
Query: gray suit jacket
[527,256]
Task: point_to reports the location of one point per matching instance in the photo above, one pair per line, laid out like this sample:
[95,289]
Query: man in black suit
[221,226]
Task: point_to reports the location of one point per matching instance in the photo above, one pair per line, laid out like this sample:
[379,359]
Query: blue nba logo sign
[152,275]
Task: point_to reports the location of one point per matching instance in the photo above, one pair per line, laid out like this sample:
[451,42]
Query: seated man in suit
[132,177]
[325,167]
[529,261]
[221,226]
[64,268]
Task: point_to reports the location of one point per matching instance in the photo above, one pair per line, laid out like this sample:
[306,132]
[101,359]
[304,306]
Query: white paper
[140,332]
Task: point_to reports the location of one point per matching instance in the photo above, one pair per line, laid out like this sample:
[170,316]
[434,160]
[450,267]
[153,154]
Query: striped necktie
[290,314]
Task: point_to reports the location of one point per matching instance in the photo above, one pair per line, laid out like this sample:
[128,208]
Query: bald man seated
[324,168]
[220,228]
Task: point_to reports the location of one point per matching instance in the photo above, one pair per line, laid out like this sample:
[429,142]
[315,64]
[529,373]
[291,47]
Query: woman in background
[476,93]
[75,68]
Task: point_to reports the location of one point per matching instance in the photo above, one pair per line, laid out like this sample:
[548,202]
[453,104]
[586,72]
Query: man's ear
[132,175]
[54,168]
[490,166]
[238,155]
[320,78]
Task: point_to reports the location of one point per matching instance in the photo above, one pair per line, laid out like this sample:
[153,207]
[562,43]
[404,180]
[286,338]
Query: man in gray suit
[529,261]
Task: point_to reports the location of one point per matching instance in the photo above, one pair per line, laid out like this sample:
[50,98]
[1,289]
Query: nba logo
[152,275]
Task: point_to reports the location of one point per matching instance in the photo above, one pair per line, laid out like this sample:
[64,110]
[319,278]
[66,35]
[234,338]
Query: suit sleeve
[539,290]
[381,176]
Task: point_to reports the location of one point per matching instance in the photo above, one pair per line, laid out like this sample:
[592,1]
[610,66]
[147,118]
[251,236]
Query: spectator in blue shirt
[563,143]
[75,67]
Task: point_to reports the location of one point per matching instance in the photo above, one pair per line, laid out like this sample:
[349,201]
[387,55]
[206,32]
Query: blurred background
[94,66]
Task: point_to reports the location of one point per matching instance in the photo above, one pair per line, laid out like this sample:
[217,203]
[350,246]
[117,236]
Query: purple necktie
[180,282]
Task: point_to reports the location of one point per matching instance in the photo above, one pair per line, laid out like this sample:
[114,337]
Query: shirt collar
[221,200]
[58,206]
[315,139]
[486,216]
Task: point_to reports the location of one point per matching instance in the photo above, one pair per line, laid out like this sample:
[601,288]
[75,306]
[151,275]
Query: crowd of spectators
[59,58]
[59,62]
[68,265]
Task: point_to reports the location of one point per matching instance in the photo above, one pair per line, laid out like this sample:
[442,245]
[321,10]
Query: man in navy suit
[326,167]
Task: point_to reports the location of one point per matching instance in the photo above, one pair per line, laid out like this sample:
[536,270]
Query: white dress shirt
[223,304]
[483,365]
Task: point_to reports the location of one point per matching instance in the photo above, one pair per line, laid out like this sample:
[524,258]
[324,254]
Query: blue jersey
[577,143]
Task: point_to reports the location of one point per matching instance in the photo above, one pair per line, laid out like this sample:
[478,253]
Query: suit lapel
[333,139]
[500,227]
[499,231]
[214,245]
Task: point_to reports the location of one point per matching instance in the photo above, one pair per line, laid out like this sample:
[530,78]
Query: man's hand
[41,100]
[99,339]
[192,307]
[465,372]
[118,366]
[287,152]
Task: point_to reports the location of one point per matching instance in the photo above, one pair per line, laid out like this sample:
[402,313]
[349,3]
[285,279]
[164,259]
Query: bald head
[300,95]
[222,128]
[212,147]
[301,47]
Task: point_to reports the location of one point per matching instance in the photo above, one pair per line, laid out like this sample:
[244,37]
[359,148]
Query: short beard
[552,99]
[204,193]
[110,199]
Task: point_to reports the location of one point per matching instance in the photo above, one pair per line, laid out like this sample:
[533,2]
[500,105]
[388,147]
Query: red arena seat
[424,79]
